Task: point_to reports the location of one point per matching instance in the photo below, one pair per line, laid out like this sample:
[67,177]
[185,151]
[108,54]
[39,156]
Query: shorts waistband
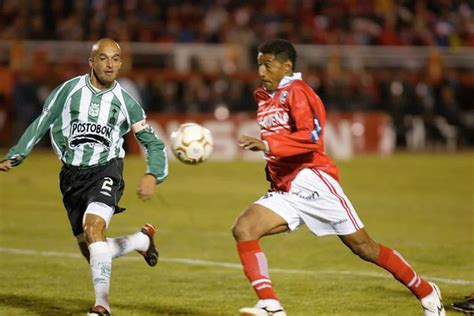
[89,168]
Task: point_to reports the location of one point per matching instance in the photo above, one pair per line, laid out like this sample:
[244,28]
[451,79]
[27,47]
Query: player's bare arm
[251,143]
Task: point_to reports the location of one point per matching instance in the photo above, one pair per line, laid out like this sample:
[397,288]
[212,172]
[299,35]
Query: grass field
[421,205]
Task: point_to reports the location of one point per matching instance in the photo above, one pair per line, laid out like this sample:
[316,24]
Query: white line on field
[198,262]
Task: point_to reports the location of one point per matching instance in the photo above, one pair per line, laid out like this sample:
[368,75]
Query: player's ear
[288,66]
[91,61]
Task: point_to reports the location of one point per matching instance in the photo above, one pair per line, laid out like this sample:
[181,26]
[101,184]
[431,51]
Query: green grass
[421,205]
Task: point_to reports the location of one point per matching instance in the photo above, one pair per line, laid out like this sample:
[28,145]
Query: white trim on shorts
[317,200]
[342,198]
[100,209]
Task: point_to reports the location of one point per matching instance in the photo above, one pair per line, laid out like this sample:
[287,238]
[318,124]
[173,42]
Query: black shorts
[82,186]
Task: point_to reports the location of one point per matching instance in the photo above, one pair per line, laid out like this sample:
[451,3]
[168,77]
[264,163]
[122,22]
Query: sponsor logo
[272,193]
[306,195]
[339,222]
[105,269]
[90,133]
[274,119]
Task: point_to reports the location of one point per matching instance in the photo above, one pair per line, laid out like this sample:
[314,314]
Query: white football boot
[432,304]
[264,308]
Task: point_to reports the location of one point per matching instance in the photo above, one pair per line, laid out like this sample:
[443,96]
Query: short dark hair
[280,48]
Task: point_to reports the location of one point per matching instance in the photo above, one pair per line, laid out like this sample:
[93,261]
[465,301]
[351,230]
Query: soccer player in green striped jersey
[87,117]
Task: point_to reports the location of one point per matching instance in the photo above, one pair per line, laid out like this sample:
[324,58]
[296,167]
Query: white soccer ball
[192,143]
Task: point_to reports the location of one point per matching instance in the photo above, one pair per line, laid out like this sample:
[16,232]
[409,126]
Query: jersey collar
[289,79]
[98,91]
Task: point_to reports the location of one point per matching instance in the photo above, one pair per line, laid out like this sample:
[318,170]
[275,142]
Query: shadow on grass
[48,306]
[44,306]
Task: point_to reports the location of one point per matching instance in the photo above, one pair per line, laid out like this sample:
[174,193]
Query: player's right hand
[146,187]
[251,143]
[6,165]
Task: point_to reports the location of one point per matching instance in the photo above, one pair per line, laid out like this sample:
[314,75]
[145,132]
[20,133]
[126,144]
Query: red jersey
[292,121]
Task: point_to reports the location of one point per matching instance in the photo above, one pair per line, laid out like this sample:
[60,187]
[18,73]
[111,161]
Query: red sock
[393,262]
[255,267]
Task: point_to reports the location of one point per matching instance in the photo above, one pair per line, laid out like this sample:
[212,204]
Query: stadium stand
[406,58]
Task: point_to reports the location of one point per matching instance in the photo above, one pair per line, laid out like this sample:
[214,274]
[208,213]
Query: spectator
[359,22]
[26,103]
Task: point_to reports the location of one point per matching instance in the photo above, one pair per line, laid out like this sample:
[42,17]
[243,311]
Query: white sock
[122,245]
[101,268]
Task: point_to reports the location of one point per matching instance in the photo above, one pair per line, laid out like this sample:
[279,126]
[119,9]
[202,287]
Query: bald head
[103,44]
[105,62]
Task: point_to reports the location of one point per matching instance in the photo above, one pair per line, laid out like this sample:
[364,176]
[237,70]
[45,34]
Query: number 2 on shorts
[107,184]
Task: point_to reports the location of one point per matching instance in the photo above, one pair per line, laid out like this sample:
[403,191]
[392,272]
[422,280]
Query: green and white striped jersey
[87,126]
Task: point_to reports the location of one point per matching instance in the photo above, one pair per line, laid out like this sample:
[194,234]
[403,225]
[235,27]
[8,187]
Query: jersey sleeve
[157,161]
[135,110]
[308,127]
[52,109]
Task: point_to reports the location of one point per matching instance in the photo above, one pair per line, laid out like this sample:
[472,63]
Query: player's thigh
[73,199]
[257,221]
[75,215]
[107,186]
[322,204]
[282,204]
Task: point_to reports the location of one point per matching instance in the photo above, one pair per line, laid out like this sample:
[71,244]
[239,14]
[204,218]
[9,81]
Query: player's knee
[241,229]
[93,233]
[94,229]
[237,230]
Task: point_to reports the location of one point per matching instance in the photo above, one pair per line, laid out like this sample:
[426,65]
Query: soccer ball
[192,143]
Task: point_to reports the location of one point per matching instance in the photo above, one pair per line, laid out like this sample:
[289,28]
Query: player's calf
[362,245]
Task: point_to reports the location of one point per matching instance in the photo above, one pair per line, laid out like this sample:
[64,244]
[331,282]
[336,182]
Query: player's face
[271,70]
[105,65]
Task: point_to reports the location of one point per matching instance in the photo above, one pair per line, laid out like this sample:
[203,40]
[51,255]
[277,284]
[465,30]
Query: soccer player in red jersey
[304,185]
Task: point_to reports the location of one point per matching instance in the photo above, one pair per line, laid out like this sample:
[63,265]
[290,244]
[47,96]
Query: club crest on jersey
[90,133]
[94,109]
[283,96]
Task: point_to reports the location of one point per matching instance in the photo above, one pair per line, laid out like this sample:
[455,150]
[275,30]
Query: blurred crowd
[440,108]
[432,105]
[346,22]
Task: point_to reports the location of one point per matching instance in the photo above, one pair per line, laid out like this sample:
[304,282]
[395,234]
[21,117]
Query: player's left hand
[251,143]
[146,187]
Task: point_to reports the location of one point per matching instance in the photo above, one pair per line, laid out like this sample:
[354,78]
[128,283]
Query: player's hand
[6,165]
[251,143]
[146,187]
